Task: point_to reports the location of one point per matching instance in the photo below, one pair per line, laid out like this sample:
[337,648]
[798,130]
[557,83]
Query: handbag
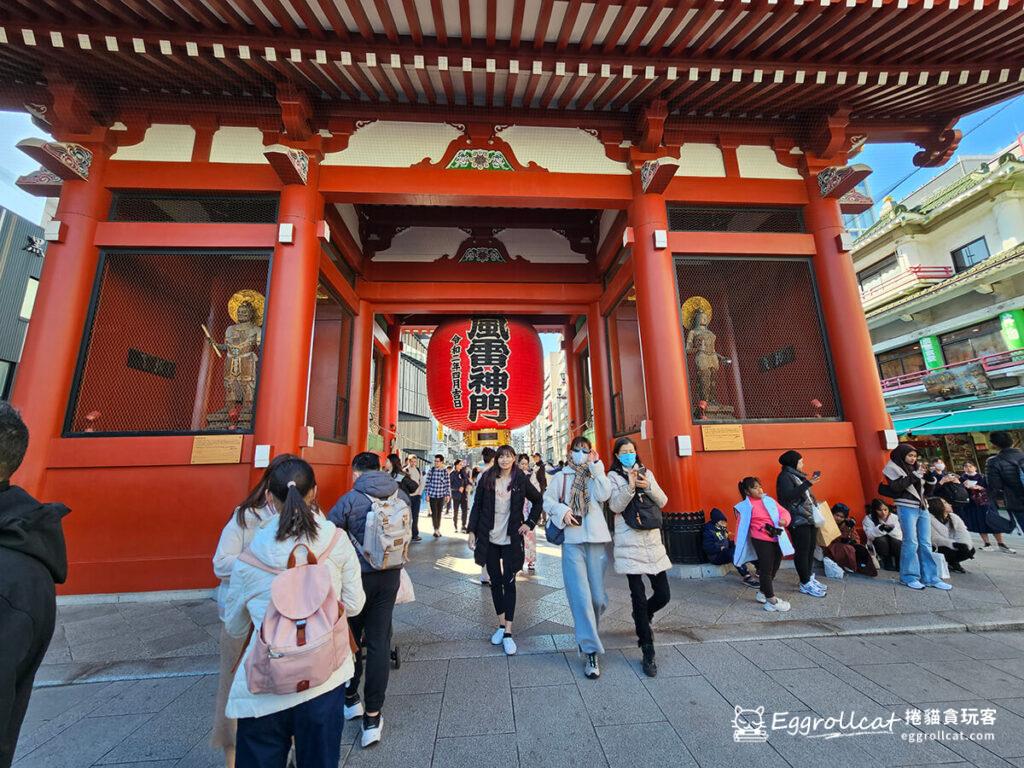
[552,532]
[406,593]
[941,565]
[642,514]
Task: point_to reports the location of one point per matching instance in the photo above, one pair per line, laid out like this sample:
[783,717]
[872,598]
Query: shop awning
[969,420]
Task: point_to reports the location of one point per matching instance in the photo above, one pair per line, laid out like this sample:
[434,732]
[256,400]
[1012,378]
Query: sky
[985,132]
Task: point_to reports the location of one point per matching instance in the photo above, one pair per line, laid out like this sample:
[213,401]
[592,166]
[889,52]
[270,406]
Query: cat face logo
[748,725]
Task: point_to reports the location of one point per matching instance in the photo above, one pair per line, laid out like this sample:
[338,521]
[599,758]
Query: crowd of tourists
[308,594]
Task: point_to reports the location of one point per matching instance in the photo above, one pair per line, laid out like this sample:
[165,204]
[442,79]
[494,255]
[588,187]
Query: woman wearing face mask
[498,524]
[639,553]
[573,502]
[903,481]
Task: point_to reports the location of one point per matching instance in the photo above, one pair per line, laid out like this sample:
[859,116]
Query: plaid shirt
[437,483]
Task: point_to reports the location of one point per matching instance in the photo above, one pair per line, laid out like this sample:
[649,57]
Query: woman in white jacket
[639,553]
[238,533]
[884,535]
[267,722]
[573,502]
[949,534]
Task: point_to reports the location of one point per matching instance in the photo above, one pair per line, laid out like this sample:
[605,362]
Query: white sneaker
[498,636]
[509,645]
[818,584]
[485,581]
[812,589]
[986,548]
[1007,550]
[372,735]
[779,606]
[760,597]
[355,710]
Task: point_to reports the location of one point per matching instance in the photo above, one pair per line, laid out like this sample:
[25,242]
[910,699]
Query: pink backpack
[305,636]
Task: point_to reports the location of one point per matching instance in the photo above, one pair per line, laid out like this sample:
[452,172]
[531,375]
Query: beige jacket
[636,552]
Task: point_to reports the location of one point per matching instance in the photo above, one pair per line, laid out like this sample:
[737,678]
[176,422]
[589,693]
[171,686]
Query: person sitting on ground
[761,535]
[720,549]
[975,512]
[949,534]
[883,533]
[33,558]
[848,551]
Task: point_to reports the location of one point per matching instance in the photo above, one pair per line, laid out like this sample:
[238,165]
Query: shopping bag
[819,517]
[941,565]
[832,569]
[829,531]
[406,594]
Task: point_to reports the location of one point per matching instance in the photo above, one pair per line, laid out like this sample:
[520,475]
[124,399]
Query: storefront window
[974,342]
[755,347]
[173,343]
[897,362]
[629,403]
[331,368]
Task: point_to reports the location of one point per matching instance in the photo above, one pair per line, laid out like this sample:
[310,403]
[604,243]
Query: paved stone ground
[143,688]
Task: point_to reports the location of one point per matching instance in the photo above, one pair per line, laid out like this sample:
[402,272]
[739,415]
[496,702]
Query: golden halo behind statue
[691,307]
[254,298]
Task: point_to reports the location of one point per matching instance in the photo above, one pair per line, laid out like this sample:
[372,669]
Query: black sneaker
[650,667]
[353,706]
[373,728]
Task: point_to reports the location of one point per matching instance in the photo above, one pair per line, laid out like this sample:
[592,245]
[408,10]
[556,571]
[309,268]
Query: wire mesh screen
[331,368]
[754,343]
[724,218]
[173,344]
[195,209]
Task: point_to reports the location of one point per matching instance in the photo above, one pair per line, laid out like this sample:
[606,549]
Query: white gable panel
[540,246]
[237,145]
[701,160]
[561,150]
[423,244]
[758,162]
[162,143]
[392,144]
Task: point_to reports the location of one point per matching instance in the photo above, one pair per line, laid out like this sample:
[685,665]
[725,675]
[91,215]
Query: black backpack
[642,514]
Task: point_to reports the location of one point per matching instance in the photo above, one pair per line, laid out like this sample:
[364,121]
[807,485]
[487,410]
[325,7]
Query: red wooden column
[389,389]
[661,342]
[600,376]
[43,384]
[852,356]
[288,327]
[572,382]
[359,382]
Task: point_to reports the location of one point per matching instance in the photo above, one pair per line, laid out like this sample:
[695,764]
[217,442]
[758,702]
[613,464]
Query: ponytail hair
[289,483]
[746,484]
[258,495]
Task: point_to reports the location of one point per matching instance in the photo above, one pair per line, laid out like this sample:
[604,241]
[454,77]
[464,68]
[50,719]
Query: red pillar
[43,384]
[389,388]
[359,383]
[600,376]
[852,356]
[661,342]
[572,364]
[288,326]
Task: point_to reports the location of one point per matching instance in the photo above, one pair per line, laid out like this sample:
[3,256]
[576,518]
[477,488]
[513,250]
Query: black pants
[315,725]
[956,555]
[888,550]
[804,537]
[460,501]
[769,558]
[372,630]
[644,608]
[436,508]
[503,580]
[24,646]
[414,510]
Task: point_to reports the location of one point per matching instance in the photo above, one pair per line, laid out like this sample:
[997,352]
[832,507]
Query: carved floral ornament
[479,160]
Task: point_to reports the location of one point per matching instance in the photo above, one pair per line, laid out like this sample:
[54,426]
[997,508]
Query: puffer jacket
[942,536]
[233,541]
[249,597]
[1003,474]
[350,512]
[793,491]
[636,552]
[594,529]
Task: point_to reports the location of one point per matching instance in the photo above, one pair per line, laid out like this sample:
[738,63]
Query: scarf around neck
[579,497]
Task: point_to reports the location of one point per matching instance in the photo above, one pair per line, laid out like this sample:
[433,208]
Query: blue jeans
[263,742]
[583,569]
[916,562]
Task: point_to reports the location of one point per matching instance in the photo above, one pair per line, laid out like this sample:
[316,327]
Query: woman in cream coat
[573,502]
[639,553]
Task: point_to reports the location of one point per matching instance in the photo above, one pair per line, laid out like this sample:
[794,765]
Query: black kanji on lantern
[488,354]
[457,371]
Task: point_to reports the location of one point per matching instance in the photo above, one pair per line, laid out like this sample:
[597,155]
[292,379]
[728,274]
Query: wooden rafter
[597,14]
[540,31]
[440,26]
[355,7]
[572,12]
[622,19]
[466,23]
[644,26]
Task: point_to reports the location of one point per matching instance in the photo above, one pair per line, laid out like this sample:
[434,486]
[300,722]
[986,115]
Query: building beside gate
[22,249]
[257,199]
[941,276]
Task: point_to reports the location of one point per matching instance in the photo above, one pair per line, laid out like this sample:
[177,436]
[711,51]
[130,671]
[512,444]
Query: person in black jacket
[32,559]
[1003,472]
[793,491]
[496,529]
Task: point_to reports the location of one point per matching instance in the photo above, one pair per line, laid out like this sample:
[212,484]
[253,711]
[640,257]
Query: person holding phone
[573,502]
[793,491]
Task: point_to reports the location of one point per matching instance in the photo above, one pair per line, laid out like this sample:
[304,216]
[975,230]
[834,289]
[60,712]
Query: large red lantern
[485,373]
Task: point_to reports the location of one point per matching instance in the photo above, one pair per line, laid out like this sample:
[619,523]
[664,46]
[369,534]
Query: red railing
[993,362]
[909,278]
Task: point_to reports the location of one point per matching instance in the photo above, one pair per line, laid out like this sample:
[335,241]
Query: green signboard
[1011,325]
[931,351]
